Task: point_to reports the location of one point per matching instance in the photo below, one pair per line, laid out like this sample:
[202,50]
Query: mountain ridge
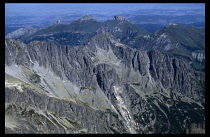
[86,17]
[84,24]
[104,86]
[185,42]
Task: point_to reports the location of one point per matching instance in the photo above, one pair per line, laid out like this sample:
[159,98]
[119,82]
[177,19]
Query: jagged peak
[172,24]
[87,17]
[57,22]
[121,18]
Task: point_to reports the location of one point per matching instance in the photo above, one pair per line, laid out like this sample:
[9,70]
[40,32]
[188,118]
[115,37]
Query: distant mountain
[79,31]
[66,34]
[122,29]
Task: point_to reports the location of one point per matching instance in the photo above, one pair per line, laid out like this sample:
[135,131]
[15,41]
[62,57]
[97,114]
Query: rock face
[102,87]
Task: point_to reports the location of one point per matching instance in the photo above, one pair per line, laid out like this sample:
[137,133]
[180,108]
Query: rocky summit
[87,17]
[118,17]
[102,86]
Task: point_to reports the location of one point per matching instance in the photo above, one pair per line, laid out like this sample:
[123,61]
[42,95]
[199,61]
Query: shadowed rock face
[102,87]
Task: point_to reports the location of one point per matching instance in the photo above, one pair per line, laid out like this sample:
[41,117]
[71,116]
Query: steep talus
[102,87]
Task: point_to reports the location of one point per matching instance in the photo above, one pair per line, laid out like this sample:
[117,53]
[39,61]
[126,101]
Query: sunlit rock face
[102,87]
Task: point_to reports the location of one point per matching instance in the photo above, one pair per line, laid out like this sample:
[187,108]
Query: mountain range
[185,42]
[110,77]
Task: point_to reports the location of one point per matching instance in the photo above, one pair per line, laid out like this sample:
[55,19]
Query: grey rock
[148,91]
[118,17]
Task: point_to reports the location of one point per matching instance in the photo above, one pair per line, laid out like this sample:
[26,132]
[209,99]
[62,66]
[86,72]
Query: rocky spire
[87,17]
[118,17]
[57,22]
[172,24]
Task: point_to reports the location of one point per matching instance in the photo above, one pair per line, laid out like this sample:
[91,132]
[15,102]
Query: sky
[37,9]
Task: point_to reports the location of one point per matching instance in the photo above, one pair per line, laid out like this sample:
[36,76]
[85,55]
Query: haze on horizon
[47,9]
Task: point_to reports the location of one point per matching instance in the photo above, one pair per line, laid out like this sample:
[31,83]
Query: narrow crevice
[133,60]
[150,59]
[99,81]
[175,68]
[182,79]
[139,63]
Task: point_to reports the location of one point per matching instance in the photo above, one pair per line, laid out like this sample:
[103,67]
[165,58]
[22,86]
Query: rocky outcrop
[57,22]
[199,56]
[87,17]
[118,17]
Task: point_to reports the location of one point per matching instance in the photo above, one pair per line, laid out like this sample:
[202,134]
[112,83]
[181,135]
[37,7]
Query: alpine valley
[105,77]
